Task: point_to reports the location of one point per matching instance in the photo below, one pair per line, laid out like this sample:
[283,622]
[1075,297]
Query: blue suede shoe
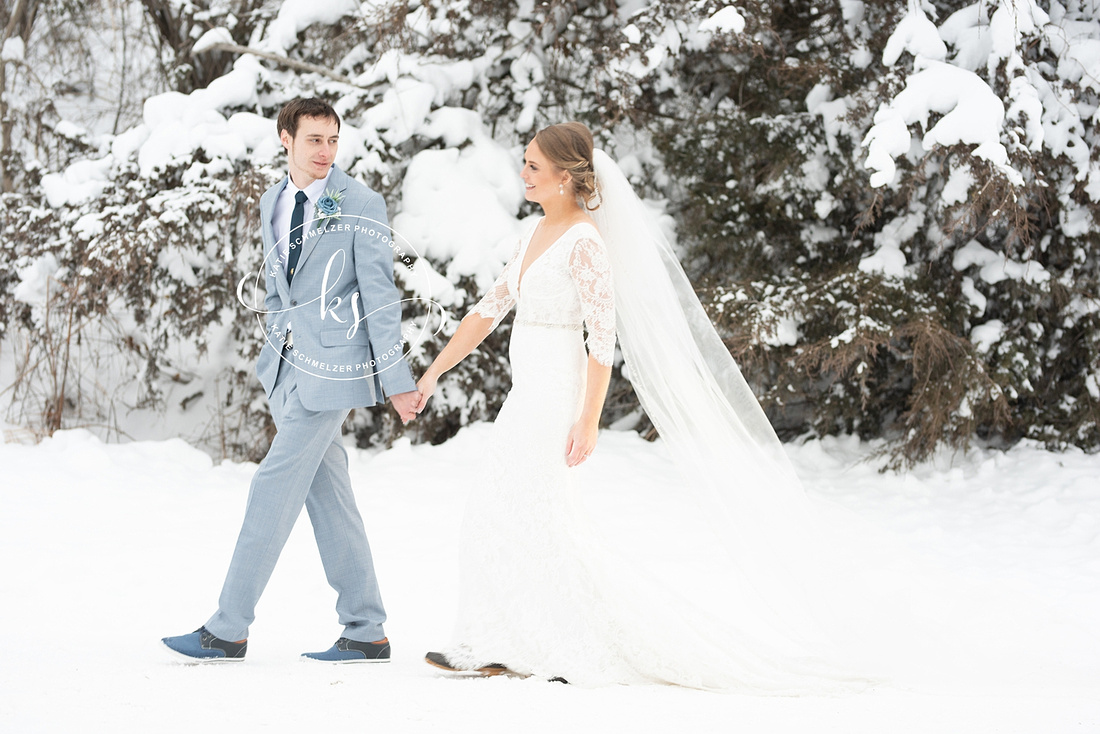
[353,651]
[202,647]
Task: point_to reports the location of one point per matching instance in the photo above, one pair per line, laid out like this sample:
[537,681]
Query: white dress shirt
[284,208]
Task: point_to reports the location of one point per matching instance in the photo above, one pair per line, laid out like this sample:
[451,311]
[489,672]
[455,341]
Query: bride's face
[540,178]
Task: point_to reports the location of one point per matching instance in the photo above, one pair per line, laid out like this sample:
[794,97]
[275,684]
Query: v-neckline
[527,246]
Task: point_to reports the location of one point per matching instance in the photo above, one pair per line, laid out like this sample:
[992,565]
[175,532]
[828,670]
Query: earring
[561,189]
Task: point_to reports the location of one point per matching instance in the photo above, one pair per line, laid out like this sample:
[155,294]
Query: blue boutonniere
[328,206]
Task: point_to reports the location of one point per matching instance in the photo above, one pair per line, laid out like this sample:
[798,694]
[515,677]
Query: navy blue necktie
[296,237]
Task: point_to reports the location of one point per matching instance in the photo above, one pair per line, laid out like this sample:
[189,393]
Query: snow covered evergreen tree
[889,208]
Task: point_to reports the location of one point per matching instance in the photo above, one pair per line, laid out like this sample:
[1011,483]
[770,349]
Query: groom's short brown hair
[295,110]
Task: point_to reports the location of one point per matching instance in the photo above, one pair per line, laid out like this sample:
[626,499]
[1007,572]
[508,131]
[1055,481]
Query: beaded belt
[570,327]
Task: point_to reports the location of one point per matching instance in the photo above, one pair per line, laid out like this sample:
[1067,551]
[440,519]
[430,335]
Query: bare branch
[281,60]
[15,19]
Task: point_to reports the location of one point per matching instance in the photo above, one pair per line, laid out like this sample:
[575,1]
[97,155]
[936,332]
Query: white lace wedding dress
[540,591]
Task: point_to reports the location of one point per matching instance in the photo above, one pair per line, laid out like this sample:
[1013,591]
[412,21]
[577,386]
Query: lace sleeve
[591,272]
[498,300]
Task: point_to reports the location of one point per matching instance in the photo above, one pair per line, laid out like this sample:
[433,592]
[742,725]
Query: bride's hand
[426,386]
[581,442]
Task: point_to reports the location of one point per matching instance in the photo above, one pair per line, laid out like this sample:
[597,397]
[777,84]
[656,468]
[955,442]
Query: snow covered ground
[106,548]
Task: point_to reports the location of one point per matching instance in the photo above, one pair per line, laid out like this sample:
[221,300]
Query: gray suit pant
[306,464]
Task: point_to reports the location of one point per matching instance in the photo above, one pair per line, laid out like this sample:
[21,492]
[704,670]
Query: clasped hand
[405,404]
[424,389]
[410,404]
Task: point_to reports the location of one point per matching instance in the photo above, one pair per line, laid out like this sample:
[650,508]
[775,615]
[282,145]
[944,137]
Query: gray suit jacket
[342,310]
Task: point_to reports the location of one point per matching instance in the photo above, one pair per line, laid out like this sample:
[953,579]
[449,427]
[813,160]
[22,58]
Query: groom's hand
[405,405]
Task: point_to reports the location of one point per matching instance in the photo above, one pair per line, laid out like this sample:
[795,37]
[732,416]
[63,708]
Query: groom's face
[311,151]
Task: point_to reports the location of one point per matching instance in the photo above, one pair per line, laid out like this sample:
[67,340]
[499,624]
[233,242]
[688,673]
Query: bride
[541,594]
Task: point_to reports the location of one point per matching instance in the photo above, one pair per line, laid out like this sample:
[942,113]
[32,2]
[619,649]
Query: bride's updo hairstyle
[568,146]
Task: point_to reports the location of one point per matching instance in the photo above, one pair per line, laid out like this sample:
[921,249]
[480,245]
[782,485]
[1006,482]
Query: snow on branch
[972,114]
[267,56]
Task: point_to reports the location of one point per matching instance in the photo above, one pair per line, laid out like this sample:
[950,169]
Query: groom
[333,333]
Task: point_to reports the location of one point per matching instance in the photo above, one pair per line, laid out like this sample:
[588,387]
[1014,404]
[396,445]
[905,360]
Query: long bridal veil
[732,462]
[817,597]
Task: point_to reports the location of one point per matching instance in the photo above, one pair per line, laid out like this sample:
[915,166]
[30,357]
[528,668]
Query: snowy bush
[951,293]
